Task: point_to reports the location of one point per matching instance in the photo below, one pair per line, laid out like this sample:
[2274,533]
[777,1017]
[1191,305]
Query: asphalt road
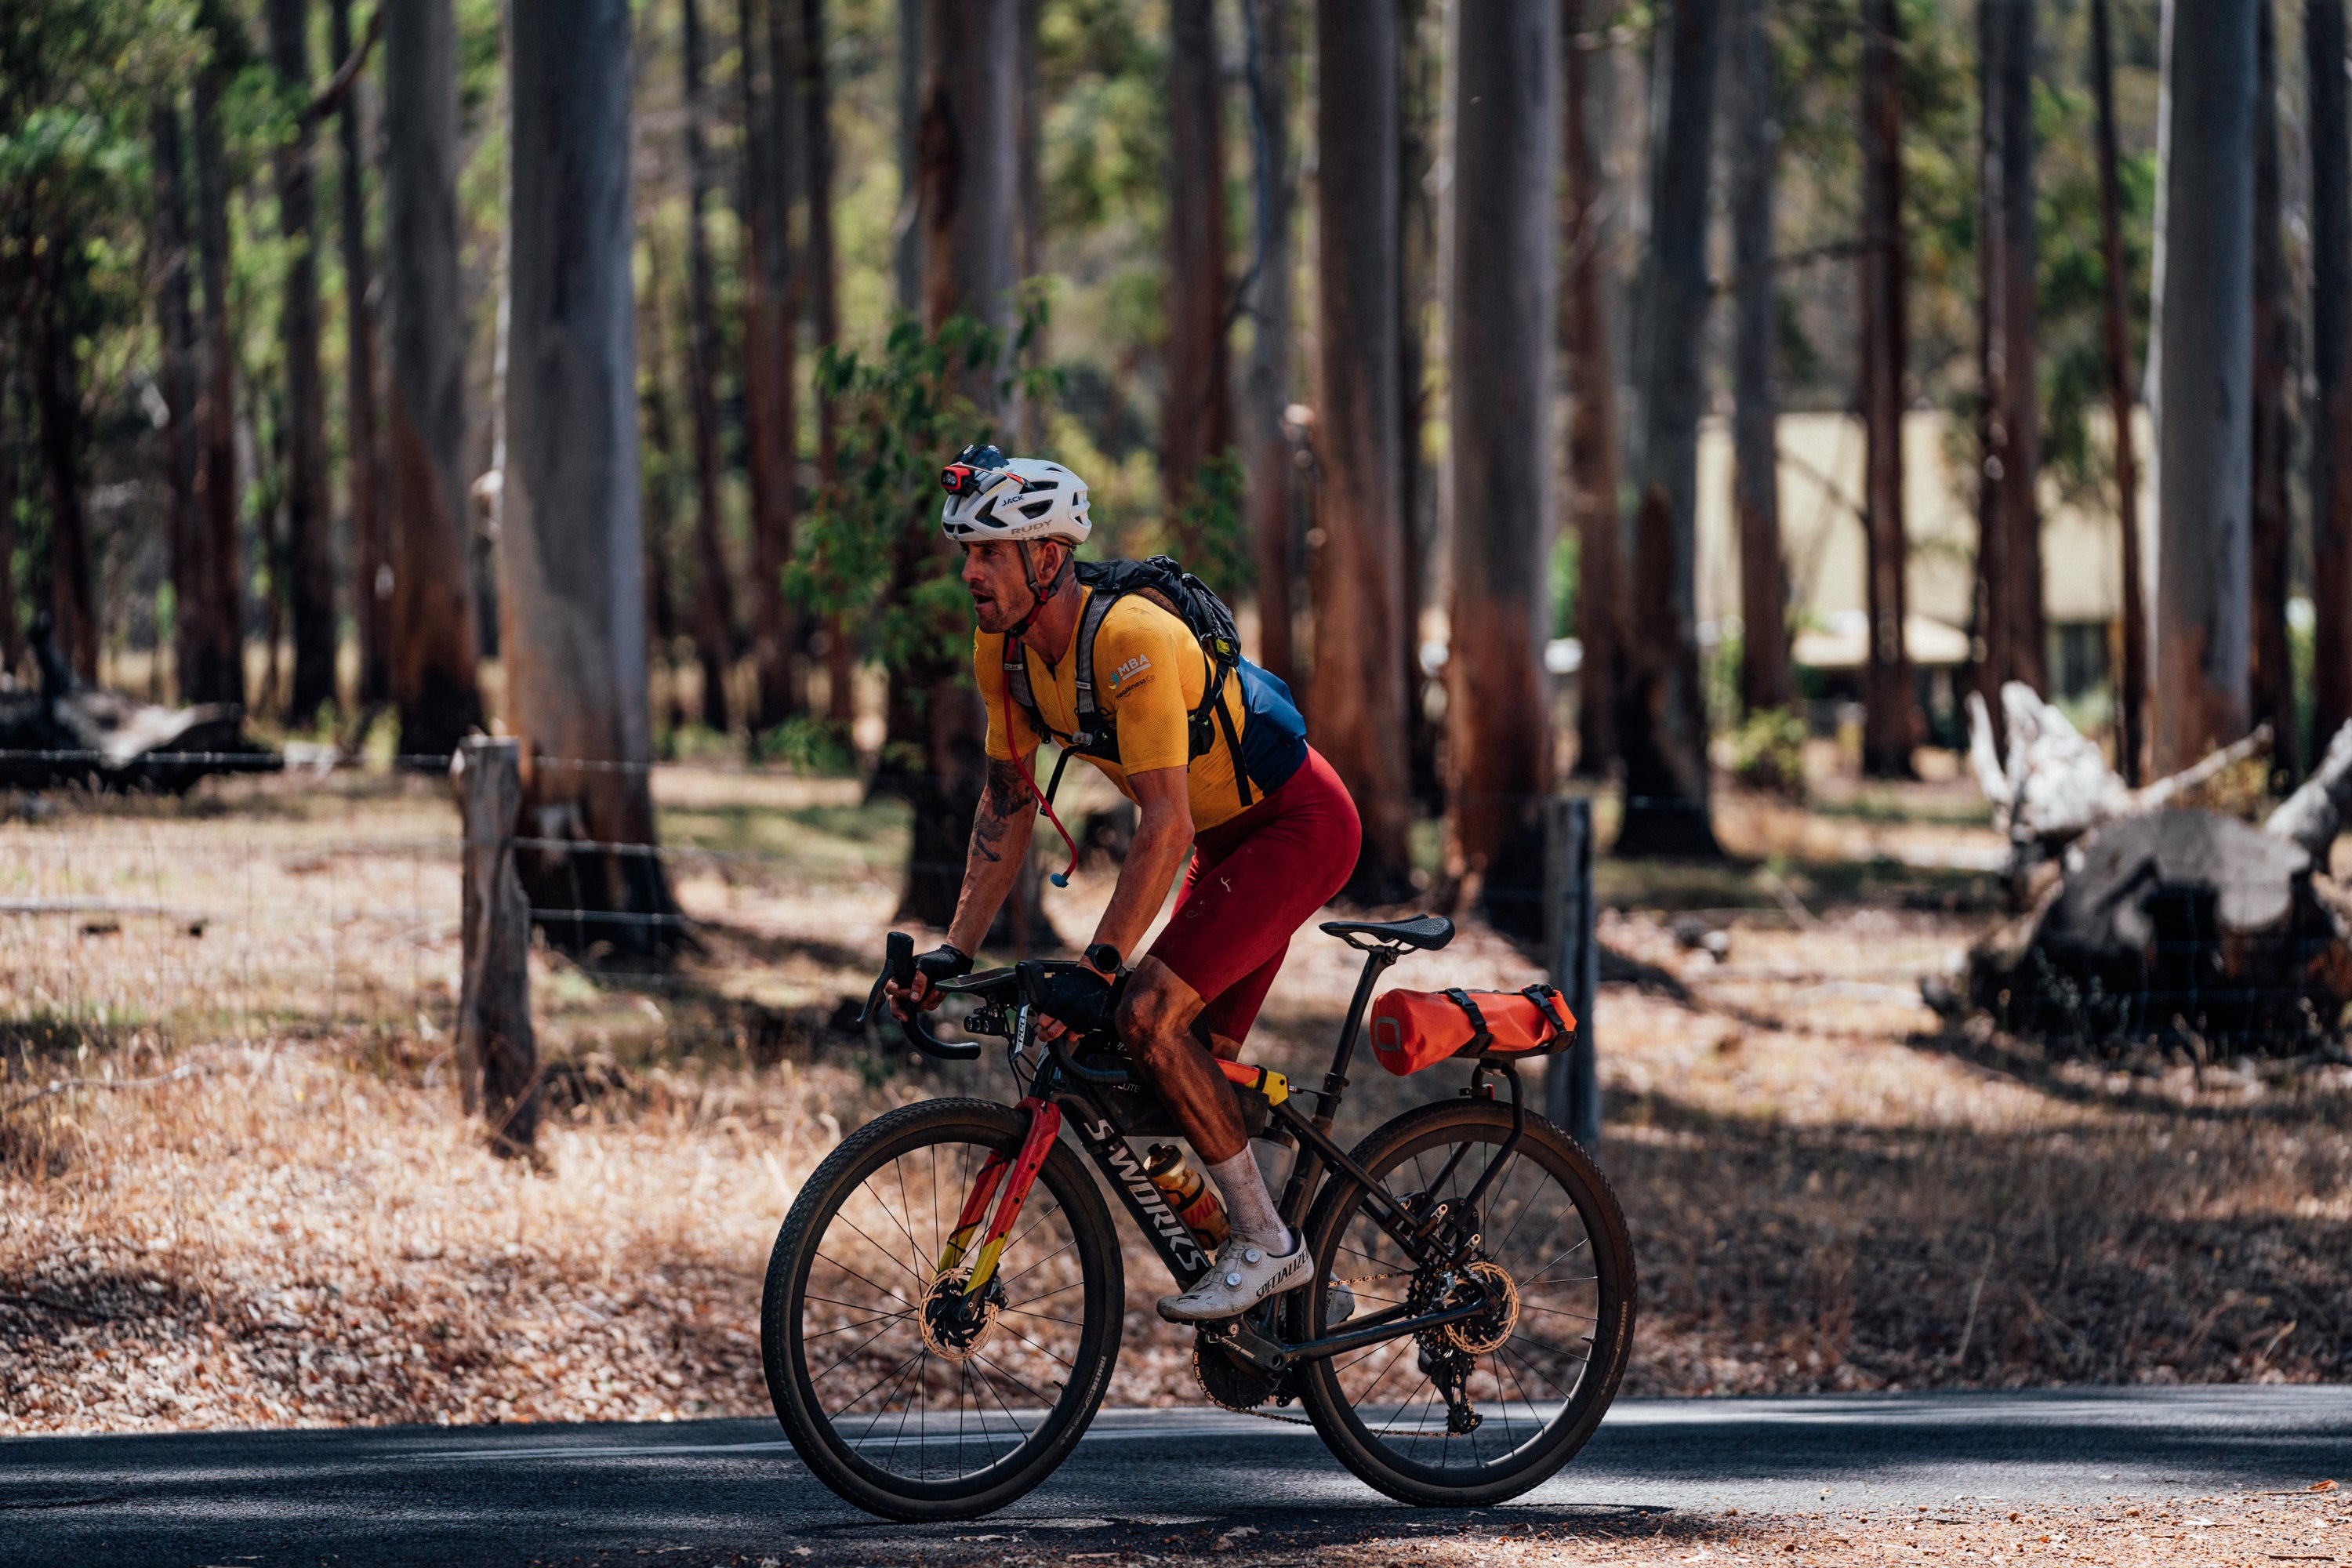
[710,1491]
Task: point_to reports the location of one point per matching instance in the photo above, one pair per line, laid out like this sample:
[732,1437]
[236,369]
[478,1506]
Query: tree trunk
[1358,695]
[967,179]
[1196,422]
[2204,358]
[434,641]
[1420,74]
[176,326]
[907,240]
[1593,474]
[1506,117]
[660,482]
[309,545]
[771,171]
[12,426]
[370,552]
[213,667]
[714,598]
[2009,554]
[1274,342]
[53,304]
[1755,403]
[2270,669]
[816,103]
[1663,708]
[1996,665]
[2331,363]
[569,548]
[2131,728]
[1890,727]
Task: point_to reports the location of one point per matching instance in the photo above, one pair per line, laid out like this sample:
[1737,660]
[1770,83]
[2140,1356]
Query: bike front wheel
[1483,1409]
[898,1396]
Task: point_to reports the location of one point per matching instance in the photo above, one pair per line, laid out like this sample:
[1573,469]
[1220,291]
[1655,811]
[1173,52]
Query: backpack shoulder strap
[1098,607]
[1018,690]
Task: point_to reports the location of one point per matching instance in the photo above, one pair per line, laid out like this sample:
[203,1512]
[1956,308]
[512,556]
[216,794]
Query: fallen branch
[338,86]
[67,1085]
[2164,791]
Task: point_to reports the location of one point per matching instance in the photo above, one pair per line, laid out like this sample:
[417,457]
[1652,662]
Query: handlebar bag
[1415,1029]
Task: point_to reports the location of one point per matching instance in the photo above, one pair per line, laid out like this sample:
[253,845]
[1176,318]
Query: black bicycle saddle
[1428,932]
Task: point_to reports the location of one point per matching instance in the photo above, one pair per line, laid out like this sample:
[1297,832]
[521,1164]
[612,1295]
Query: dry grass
[1826,1191]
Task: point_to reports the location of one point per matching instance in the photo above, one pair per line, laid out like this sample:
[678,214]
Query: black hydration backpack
[1182,594]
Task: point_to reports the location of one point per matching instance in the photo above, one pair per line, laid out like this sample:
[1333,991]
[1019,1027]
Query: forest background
[1264,278]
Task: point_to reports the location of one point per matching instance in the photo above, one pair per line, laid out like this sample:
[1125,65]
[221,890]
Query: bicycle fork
[1045,1125]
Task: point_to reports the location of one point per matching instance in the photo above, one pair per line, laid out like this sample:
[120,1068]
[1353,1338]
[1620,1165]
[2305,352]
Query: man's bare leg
[1155,1020]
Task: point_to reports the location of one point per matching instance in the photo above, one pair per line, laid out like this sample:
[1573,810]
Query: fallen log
[67,732]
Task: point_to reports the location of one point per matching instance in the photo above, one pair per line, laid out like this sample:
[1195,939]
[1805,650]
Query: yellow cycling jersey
[1150,674]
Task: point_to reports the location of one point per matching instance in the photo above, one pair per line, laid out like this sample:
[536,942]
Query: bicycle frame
[1062,1089]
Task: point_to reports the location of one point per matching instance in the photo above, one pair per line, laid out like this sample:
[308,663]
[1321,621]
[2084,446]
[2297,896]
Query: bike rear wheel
[901,1408]
[1485,1409]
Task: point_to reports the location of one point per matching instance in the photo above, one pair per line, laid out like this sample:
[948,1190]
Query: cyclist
[1270,829]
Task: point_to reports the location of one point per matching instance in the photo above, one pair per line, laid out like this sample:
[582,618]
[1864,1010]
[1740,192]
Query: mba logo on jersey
[1140,664]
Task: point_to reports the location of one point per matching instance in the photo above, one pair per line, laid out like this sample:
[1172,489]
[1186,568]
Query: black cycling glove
[1078,998]
[942,962]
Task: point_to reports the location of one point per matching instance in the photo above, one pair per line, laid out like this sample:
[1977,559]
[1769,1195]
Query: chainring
[1231,1383]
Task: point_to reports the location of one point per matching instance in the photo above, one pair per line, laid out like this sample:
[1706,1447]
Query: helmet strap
[1039,593]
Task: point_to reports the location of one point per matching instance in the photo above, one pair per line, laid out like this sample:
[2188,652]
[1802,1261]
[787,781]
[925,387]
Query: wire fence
[317,905]
[326,903]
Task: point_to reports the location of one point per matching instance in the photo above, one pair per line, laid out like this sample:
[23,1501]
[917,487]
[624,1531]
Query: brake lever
[899,968]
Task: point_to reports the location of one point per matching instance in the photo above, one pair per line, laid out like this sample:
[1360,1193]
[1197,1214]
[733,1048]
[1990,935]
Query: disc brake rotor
[1493,1327]
[953,1328]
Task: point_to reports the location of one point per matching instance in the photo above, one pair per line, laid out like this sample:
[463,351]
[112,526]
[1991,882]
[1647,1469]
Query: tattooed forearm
[987,837]
[1007,792]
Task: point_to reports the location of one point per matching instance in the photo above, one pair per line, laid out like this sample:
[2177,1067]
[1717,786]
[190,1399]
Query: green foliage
[1214,536]
[1564,582]
[871,550]
[811,744]
[1768,752]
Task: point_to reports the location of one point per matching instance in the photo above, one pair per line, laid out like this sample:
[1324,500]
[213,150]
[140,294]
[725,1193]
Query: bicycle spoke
[850,1328]
[1013,1381]
[854,1274]
[828,1372]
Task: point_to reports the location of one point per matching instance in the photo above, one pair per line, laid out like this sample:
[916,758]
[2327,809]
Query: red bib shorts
[1256,879]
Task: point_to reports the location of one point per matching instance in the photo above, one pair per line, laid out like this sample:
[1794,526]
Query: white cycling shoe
[1245,1274]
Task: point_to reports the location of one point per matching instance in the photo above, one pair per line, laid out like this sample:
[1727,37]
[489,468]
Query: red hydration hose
[1060,878]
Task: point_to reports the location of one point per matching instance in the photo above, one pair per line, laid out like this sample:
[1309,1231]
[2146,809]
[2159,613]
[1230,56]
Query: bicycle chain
[1350,1281]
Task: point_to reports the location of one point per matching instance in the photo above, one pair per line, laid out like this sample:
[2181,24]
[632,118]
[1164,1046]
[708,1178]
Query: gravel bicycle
[944,1302]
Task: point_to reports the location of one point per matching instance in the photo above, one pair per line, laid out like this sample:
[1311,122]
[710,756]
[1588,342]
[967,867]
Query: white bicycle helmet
[990,496]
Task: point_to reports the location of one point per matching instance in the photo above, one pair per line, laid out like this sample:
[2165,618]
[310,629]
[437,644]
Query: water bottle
[1190,1193]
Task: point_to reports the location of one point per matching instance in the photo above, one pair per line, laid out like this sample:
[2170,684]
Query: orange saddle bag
[1415,1029]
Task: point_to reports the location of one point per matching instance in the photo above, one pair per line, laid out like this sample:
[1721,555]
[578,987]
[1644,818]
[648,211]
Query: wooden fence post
[497,1056]
[1571,1079]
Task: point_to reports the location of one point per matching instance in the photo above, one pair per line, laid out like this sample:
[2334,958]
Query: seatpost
[1376,963]
[1309,1167]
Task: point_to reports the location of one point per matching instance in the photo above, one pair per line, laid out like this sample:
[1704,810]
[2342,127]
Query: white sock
[1249,1208]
